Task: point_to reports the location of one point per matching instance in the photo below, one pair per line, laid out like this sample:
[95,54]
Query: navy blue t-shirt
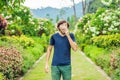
[62,50]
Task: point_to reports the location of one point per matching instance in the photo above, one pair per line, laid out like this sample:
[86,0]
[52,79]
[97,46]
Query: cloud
[33,4]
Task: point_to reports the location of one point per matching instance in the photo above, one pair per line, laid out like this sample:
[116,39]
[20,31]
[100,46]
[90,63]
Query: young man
[62,42]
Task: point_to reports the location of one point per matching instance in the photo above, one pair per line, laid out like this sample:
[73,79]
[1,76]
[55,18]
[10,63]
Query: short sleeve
[73,37]
[52,40]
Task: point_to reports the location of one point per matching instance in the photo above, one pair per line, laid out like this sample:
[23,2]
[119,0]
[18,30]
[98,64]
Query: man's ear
[58,28]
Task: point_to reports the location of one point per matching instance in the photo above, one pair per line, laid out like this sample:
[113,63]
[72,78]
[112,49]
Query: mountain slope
[51,13]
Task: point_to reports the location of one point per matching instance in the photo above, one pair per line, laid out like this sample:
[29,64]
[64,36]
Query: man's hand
[66,32]
[46,68]
[49,49]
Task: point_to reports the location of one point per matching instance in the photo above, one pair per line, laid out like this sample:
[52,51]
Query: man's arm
[47,58]
[72,43]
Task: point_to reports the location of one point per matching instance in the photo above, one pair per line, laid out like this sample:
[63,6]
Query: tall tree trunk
[83,6]
[74,10]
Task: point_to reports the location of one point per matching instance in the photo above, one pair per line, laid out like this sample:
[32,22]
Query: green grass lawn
[82,69]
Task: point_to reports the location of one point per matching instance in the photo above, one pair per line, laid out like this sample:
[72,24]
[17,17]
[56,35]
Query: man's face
[63,27]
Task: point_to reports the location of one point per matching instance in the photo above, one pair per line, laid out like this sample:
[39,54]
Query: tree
[74,9]
[111,3]
[62,12]
[71,21]
[10,5]
[57,18]
[19,18]
[48,15]
[83,6]
[93,5]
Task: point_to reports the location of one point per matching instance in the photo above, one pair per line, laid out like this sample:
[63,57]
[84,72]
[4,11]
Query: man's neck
[61,34]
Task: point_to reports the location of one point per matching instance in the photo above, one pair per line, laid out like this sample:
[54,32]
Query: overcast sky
[33,4]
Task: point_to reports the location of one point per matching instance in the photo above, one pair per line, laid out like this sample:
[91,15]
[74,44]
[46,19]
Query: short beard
[62,32]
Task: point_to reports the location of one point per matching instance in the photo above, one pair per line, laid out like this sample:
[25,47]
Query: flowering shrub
[20,20]
[46,27]
[103,22]
[29,54]
[22,40]
[10,62]
[83,21]
[111,3]
[33,27]
[106,40]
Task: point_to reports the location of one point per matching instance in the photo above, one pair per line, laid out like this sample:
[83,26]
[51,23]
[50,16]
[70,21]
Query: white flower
[99,16]
[116,23]
[25,10]
[114,17]
[107,18]
[106,2]
[83,34]
[92,29]
[110,29]
[18,18]
[113,22]
[93,34]
[13,30]
[106,24]
[103,14]
[115,29]
[112,26]
[30,19]
[102,18]
[38,28]
[7,17]
[86,31]
[97,32]
[29,15]
[2,14]
[41,23]
[32,23]
[41,28]
[104,32]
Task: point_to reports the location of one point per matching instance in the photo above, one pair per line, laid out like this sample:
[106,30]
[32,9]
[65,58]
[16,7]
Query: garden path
[82,69]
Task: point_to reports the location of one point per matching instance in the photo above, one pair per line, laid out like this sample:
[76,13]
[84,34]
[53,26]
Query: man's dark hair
[61,22]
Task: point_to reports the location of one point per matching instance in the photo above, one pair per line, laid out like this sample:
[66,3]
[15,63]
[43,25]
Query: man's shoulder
[71,34]
[55,34]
